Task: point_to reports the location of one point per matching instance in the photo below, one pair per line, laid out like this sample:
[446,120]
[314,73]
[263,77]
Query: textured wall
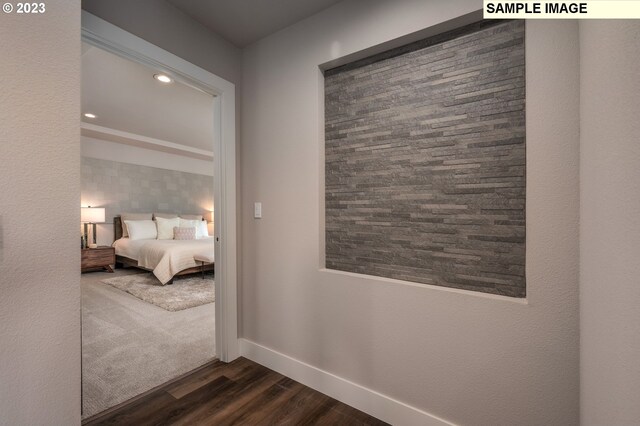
[39,216]
[609,222]
[121,187]
[425,162]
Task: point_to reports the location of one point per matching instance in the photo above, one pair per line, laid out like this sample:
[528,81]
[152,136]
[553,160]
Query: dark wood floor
[239,393]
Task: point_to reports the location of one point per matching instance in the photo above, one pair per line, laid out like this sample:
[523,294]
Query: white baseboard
[364,399]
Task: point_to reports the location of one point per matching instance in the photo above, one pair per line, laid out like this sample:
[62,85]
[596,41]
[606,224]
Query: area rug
[184,293]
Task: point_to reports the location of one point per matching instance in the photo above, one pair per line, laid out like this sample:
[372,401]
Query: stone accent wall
[130,188]
[425,161]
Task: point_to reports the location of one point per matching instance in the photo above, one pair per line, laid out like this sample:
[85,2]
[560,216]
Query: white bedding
[164,257]
[129,248]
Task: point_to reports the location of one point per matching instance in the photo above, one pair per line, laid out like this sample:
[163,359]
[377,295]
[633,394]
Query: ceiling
[126,98]
[243,22]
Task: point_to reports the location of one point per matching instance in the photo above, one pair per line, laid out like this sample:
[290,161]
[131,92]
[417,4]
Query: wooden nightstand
[98,258]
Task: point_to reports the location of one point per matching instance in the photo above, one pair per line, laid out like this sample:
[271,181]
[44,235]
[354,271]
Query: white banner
[589,9]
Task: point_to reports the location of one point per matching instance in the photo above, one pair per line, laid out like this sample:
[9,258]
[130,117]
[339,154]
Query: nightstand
[98,258]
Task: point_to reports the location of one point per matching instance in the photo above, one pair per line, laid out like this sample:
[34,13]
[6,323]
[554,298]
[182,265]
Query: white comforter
[165,257]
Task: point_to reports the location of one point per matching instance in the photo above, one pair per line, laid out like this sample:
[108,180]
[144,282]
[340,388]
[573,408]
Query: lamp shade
[92,214]
[209,216]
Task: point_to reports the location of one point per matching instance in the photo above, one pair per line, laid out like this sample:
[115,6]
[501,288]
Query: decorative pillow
[200,225]
[132,216]
[165,215]
[165,227]
[191,216]
[141,229]
[180,233]
[190,224]
[202,231]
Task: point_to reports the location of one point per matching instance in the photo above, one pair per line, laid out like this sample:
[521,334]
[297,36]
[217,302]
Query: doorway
[102,35]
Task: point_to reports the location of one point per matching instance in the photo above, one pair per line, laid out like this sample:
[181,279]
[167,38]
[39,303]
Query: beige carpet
[184,293]
[130,346]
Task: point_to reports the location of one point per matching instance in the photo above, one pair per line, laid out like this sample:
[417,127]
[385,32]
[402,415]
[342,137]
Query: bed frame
[123,261]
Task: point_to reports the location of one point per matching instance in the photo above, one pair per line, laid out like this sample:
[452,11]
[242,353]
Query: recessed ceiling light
[163,78]
[89,115]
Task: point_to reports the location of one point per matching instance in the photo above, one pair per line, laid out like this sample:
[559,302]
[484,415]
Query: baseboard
[360,397]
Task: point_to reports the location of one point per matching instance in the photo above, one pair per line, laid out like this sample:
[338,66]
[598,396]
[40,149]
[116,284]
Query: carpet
[184,293]
[130,346]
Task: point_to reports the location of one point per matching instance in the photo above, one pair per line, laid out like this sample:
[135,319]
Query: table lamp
[91,215]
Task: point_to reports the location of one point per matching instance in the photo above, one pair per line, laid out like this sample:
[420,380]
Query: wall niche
[425,161]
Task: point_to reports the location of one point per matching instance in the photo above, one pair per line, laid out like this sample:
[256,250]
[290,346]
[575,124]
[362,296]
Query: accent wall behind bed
[121,187]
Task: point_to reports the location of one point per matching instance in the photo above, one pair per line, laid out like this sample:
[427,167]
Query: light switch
[257,210]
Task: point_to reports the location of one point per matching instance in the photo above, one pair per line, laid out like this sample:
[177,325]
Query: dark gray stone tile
[425,162]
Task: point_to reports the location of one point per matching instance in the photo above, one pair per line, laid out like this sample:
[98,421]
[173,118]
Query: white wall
[39,216]
[610,222]
[466,357]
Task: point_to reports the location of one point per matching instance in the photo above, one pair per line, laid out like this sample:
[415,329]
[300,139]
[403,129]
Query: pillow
[191,216]
[180,233]
[202,229]
[189,224]
[165,215]
[142,229]
[132,216]
[165,227]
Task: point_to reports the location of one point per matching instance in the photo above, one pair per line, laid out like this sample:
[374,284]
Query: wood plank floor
[238,393]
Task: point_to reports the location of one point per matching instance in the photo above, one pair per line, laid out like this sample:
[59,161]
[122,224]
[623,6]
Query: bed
[165,258]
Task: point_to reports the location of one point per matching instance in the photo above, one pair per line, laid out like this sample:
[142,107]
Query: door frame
[102,34]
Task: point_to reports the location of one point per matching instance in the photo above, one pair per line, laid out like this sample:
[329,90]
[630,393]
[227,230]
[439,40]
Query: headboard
[117,228]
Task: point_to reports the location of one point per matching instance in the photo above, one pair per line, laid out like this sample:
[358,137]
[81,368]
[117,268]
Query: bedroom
[407,353]
[147,193]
